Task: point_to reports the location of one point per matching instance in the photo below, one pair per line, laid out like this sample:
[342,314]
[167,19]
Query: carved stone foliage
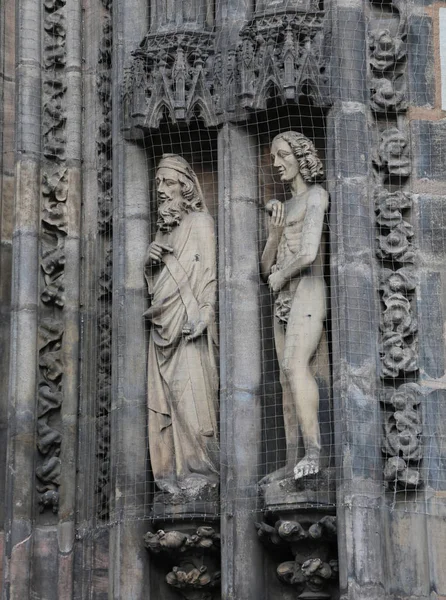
[281,56]
[386,50]
[387,63]
[104,298]
[312,542]
[402,444]
[388,95]
[103,392]
[396,252]
[181,75]
[104,145]
[194,558]
[54,228]
[54,88]
[49,401]
[398,323]
[392,157]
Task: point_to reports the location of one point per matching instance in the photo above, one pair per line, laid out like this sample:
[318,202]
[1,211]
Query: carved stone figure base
[192,552]
[310,539]
[289,494]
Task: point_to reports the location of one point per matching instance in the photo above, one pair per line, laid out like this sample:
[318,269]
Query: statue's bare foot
[309,465]
[282,473]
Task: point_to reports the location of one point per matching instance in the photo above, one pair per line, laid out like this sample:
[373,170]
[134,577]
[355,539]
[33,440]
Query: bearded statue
[180,270]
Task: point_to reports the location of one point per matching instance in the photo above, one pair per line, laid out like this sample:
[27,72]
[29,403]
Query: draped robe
[182,375]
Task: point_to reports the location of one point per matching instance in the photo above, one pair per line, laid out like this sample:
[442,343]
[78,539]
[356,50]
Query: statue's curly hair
[310,165]
[191,198]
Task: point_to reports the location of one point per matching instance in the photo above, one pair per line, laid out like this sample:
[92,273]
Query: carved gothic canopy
[182,70]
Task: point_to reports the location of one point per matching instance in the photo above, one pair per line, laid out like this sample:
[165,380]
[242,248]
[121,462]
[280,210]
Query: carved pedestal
[192,552]
[305,543]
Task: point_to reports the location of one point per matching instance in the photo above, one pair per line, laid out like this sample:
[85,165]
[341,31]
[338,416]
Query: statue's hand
[193,329]
[277,222]
[276,281]
[155,252]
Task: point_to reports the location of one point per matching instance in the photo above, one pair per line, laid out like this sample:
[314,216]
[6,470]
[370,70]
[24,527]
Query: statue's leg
[194,416]
[162,453]
[161,442]
[304,332]
[289,413]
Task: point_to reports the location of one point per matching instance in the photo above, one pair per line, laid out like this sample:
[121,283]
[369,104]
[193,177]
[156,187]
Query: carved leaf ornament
[104,276]
[402,425]
[54,228]
[402,435]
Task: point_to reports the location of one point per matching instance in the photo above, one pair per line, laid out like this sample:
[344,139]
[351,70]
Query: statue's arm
[208,296]
[276,224]
[205,245]
[311,240]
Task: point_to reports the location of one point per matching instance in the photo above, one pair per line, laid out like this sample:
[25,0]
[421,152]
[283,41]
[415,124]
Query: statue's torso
[292,242]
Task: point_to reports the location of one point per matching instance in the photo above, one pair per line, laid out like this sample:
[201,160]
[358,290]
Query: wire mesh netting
[345,229]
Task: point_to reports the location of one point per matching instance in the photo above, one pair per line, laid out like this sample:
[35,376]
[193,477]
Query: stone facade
[140,138]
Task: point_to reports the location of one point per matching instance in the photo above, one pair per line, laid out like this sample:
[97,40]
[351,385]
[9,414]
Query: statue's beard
[169,215]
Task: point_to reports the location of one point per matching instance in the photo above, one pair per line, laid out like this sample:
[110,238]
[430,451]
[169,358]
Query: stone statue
[293,264]
[180,270]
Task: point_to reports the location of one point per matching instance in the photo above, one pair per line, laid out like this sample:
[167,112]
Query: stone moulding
[105,282]
[54,228]
[396,252]
[182,75]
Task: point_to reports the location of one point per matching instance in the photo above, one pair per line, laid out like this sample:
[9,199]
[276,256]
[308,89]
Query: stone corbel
[193,554]
[311,540]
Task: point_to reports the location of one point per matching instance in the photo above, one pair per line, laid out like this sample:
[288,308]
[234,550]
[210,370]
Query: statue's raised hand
[155,252]
[276,210]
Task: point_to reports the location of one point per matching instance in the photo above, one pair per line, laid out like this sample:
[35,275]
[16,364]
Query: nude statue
[180,270]
[293,265]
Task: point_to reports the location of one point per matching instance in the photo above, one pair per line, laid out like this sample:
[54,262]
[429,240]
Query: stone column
[20,482]
[7,120]
[53,539]
[69,409]
[240,360]
[129,564]
[91,572]
[428,146]
[355,311]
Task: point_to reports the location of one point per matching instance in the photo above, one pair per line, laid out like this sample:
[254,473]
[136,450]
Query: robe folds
[182,375]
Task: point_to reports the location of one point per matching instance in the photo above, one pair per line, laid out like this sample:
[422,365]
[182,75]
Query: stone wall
[93,94]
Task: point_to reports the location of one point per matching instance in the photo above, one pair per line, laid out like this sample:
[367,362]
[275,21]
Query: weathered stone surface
[432,226]
[430,313]
[428,139]
[420,56]
[375,530]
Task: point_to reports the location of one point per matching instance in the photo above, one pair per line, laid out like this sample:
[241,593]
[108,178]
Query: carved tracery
[178,73]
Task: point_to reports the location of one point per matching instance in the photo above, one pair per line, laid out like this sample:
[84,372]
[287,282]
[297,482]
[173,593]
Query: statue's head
[178,191]
[295,154]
